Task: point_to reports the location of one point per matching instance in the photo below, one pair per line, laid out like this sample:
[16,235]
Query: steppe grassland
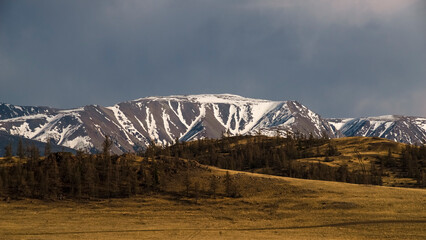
[270,207]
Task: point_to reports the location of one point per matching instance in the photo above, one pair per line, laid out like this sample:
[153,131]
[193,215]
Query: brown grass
[271,207]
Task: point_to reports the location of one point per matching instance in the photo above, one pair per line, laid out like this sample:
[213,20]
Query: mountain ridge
[134,124]
[399,128]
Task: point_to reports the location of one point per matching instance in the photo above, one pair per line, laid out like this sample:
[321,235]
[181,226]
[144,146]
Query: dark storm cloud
[344,58]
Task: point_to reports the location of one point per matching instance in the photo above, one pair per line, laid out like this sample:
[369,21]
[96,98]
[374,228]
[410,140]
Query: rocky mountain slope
[397,128]
[12,111]
[134,124]
[6,139]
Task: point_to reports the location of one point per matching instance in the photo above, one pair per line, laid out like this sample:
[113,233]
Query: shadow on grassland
[225,229]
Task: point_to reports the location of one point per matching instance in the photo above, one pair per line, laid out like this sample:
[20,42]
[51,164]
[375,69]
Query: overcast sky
[341,58]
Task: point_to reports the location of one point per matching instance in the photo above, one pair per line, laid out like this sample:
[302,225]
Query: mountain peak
[162,119]
[394,127]
[204,98]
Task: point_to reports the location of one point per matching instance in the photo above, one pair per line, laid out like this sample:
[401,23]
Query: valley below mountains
[133,125]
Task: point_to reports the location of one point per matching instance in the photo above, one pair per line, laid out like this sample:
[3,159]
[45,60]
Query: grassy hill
[353,159]
[166,193]
[270,207]
[359,152]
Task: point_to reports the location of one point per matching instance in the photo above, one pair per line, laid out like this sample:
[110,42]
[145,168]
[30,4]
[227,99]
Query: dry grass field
[369,150]
[271,207]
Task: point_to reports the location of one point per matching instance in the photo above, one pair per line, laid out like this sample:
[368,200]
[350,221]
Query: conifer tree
[155,177]
[54,181]
[115,183]
[423,179]
[106,147]
[197,191]
[34,153]
[66,172]
[89,178]
[20,151]
[213,186]
[107,165]
[76,181]
[187,183]
[134,181]
[30,179]
[47,147]
[44,184]
[228,184]
[8,152]
[1,185]
[109,175]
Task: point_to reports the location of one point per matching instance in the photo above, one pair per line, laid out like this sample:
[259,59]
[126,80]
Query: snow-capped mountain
[6,139]
[394,127]
[162,120]
[12,111]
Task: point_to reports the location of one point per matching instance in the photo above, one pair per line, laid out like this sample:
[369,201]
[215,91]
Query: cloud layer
[340,58]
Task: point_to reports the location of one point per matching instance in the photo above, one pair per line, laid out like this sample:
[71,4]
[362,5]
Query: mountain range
[133,125]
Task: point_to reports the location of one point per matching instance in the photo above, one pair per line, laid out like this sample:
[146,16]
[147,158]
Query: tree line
[106,175]
[279,156]
[84,176]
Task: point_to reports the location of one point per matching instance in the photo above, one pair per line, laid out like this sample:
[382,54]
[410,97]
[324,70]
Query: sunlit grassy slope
[271,207]
[358,154]
[357,151]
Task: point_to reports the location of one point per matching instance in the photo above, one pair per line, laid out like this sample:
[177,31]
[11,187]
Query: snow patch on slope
[179,114]
[125,124]
[80,142]
[258,111]
[196,121]
[166,119]
[151,125]
[421,122]
[339,123]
